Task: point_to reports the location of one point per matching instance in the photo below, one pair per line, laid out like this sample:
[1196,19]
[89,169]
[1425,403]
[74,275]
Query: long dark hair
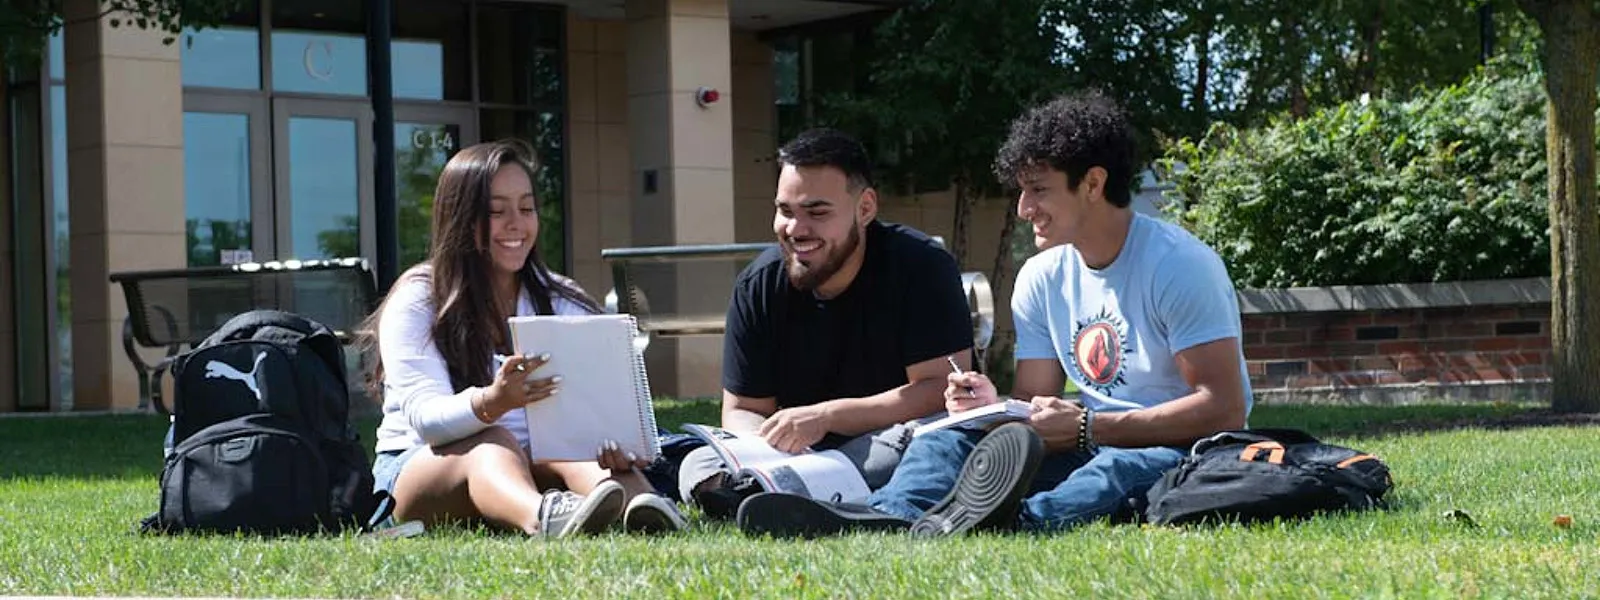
[468,324]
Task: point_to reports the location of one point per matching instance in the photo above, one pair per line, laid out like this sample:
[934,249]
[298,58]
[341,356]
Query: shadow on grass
[129,446]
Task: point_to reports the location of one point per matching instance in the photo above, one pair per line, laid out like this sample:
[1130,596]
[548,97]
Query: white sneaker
[564,513]
[650,513]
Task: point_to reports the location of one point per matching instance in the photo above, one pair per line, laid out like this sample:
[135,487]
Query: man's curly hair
[1071,134]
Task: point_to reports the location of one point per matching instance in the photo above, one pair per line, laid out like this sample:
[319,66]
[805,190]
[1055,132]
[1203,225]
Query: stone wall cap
[1395,296]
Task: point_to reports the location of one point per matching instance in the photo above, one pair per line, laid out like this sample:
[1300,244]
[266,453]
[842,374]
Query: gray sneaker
[650,513]
[564,513]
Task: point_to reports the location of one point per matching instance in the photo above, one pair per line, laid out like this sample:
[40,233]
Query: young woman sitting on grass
[453,442]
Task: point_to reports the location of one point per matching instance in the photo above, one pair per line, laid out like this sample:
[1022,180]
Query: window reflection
[417,70]
[324,191]
[320,63]
[421,151]
[58,63]
[225,57]
[519,51]
[63,245]
[432,50]
[216,158]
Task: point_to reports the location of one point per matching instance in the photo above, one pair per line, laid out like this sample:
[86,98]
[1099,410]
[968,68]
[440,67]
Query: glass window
[519,55]
[324,191]
[543,130]
[788,87]
[417,68]
[421,151]
[58,65]
[432,53]
[29,276]
[319,47]
[319,63]
[216,185]
[223,57]
[58,189]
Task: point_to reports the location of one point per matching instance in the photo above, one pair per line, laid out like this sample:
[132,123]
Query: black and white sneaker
[565,513]
[788,515]
[650,513]
[721,502]
[988,494]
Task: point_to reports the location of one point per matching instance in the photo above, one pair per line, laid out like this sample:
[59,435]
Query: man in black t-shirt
[838,336]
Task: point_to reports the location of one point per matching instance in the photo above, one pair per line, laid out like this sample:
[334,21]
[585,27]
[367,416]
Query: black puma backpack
[1264,474]
[261,437]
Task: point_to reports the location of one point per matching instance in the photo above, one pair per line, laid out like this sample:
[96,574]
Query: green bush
[1447,186]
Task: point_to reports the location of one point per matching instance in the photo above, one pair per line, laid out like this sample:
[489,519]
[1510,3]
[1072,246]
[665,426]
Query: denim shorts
[386,468]
[387,465]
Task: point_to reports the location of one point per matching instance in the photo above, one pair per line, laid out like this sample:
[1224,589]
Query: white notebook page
[604,392]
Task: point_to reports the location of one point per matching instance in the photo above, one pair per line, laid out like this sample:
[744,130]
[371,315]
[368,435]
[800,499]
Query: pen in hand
[957,368]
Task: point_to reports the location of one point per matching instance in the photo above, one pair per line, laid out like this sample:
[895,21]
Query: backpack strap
[1273,448]
[381,513]
[1283,437]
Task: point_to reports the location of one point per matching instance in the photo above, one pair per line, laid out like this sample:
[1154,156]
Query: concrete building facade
[253,141]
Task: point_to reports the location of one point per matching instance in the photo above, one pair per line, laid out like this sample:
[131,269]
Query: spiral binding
[641,387]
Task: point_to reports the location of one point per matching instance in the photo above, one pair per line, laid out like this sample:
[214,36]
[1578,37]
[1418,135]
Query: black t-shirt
[905,306]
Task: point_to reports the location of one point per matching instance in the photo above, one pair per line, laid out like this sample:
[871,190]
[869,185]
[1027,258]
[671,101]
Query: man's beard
[808,277]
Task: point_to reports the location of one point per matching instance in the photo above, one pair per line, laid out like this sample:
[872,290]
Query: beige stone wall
[755,142]
[598,155]
[125,145]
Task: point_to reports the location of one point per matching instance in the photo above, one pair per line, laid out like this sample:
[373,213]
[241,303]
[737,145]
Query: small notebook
[604,391]
[982,417]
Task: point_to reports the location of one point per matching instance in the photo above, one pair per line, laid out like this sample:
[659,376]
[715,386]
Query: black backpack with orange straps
[1266,474]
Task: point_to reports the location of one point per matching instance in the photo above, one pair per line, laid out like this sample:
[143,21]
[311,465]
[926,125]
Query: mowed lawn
[71,490]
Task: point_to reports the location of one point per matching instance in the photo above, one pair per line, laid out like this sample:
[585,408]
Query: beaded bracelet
[1085,429]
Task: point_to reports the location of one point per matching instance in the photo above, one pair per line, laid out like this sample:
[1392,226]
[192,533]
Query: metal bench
[178,308]
[709,271]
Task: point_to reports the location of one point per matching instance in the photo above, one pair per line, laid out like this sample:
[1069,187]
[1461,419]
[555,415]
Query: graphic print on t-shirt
[1098,347]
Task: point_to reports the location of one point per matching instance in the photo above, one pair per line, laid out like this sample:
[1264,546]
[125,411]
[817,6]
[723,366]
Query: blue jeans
[1070,488]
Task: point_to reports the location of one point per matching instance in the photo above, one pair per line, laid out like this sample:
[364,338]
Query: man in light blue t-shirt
[1138,314]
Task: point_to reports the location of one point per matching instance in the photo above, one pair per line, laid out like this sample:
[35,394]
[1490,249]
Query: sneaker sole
[650,517]
[789,516]
[989,491]
[602,507]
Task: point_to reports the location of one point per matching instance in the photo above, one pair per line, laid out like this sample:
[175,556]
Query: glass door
[323,153]
[424,140]
[227,192]
[227,182]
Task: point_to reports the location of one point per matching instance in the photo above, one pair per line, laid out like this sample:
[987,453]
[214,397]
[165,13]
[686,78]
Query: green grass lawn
[71,490]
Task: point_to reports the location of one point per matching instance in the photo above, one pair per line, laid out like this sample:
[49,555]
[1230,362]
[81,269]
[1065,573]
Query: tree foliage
[1296,56]
[944,83]
[1447,186]
[26,24]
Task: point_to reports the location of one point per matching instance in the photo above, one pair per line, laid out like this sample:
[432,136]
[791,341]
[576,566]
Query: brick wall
[1380,353]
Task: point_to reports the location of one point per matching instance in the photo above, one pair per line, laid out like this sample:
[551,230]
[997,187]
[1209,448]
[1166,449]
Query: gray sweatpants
[875,454]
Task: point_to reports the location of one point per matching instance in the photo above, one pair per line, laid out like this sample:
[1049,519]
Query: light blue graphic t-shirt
[1117,330]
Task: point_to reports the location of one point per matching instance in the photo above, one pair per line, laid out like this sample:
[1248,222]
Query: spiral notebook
[604,392]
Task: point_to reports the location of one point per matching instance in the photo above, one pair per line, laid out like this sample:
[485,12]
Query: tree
[26,24]
[945,79]
[1571,59]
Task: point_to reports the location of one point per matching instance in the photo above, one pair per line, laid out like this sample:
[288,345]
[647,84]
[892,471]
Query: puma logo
[216,369]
